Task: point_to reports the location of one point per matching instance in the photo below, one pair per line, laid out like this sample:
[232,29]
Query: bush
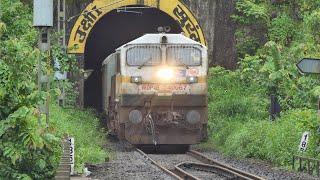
[240,126]
[282,30]
[233,98]
[28,149]
[276,141]
[239,100]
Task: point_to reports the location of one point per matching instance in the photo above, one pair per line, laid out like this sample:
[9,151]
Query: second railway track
[194,165]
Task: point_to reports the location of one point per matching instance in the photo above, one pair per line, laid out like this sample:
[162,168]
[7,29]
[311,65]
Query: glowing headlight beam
[192,79]
[165,74]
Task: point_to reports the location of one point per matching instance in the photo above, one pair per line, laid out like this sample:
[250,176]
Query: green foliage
[250,11]
[308,5]
[17,58]
[28,149]
[228,99]
[69,89]
[272,141]
[67,62]
[313,21]
[3,28]
[85,128]
[252,18]
[272,65]
[240,126]
[282,29]
[233,99]
[64,62]
[246,44]
[271,38]
[283,23]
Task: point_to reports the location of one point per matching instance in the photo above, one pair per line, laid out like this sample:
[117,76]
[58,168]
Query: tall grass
[83,125]
[240,126]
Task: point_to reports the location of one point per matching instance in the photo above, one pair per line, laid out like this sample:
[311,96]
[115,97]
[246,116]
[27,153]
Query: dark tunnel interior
[112,31]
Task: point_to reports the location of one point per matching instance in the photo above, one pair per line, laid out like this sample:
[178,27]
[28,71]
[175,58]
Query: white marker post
[304,142]
[71,142]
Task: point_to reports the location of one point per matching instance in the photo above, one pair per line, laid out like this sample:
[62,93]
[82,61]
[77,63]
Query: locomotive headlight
[193,117]
[136,79]
[192,79]
[165,74]
[135,117]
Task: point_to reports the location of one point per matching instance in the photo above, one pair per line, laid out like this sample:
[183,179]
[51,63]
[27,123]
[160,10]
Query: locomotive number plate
[165,88]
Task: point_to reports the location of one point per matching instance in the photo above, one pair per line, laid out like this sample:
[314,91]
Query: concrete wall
[224,47]
[214,18]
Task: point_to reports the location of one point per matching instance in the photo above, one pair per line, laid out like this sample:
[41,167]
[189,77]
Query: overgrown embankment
[272,36]
[85,127]
[29,146]
[240,125]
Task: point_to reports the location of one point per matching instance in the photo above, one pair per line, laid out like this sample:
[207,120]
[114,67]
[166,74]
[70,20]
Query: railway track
[196,167]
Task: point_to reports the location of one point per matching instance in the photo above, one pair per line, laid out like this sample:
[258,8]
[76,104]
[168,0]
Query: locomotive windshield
[144,56]
[183,55]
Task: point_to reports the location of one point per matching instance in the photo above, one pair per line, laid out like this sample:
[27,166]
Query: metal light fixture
[193,117]
[87,73]
[136,79]
[135,117]
[192,79]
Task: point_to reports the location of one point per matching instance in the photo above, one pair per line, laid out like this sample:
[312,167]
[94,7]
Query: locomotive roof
[156,39]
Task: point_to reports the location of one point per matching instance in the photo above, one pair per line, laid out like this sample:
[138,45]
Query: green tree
[27,148]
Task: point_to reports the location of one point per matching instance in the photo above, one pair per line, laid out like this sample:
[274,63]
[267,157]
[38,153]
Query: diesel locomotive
[155,90]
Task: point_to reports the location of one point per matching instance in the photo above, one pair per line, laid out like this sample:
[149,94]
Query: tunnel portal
[113,30]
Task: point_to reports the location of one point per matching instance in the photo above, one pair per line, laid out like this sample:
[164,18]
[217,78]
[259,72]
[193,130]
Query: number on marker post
[304,141]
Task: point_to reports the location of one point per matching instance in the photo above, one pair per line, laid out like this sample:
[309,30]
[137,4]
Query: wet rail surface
[195,166]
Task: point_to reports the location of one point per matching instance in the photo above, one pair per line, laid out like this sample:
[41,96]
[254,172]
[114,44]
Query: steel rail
[182,173]
[158,165]
[209,161]
[216,169]
[207,165]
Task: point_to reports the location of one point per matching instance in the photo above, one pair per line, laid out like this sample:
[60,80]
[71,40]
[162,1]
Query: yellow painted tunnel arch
[98,8]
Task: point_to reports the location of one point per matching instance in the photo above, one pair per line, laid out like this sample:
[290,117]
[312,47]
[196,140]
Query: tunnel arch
[105,25]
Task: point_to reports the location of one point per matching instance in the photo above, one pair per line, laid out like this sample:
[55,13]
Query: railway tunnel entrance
[107,24]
